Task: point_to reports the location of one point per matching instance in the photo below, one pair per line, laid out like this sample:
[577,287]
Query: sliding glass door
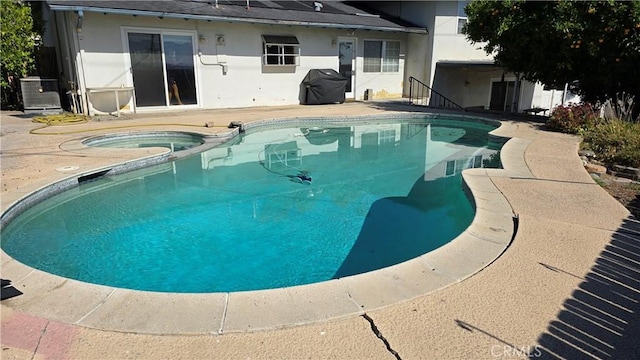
[179,68]
[163,69]
[147,69]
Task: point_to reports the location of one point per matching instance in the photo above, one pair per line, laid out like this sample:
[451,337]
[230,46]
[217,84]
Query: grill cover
[323,86]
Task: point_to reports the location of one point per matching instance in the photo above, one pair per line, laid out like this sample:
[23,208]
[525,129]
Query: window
[477,161]
[450,169]
[462,16]
[387,137]
[391,59]
[280,50]
[381,56]
[372,56]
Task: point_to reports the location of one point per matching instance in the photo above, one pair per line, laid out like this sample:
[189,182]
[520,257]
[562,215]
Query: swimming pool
[232,219]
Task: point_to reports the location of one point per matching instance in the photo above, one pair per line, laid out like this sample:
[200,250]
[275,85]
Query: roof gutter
[232,19]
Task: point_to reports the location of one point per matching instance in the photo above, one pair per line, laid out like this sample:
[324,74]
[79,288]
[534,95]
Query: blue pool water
[232,218]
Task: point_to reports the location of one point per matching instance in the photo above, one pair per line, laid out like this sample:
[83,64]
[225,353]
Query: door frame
[125,30]
[354,41]
[507,79]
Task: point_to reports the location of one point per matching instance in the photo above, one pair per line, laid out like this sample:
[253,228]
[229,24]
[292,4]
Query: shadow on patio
[601,320]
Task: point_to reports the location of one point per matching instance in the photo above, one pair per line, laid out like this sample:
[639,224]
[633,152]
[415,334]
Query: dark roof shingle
[332,13]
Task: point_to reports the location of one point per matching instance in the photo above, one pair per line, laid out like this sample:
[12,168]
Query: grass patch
[600,182]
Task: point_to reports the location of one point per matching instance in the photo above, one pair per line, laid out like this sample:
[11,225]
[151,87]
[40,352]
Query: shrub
[572,118]
[621,108]
[16,49]
[616,142]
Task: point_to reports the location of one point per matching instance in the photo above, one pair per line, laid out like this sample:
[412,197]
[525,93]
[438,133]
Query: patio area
[567,286]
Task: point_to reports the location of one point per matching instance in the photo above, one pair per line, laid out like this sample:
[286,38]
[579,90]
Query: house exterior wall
[385,85]
[419,13]
[418,60]
[104,62]
[447,43]
[443,42]
[466,86]
[417,65]
[232,75]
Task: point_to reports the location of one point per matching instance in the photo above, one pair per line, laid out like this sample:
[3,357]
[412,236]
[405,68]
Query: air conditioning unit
[40,95]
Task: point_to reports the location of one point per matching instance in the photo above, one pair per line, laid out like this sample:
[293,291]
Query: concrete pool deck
[567,284]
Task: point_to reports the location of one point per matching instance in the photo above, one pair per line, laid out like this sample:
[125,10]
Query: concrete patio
[567,285]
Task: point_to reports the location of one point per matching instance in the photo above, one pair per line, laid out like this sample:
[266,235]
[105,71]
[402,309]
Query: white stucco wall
[440,18]
[422,14]
[385,85]
[447,43]
[102,46]
[418,63]
[101,59]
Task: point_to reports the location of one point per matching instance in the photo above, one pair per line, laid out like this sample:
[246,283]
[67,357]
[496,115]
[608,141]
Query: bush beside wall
[615,141]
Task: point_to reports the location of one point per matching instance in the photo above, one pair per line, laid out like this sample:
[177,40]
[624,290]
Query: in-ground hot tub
[174,140]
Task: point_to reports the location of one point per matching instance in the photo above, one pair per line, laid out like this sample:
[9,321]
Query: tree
[594,45]
[17,48]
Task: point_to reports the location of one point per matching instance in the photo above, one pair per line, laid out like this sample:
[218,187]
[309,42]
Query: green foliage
[620,108]
[596,43]
[600,182]
[616,142]
[17,45]
[493,161]
[572,118]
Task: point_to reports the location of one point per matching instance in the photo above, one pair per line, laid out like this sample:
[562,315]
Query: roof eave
[235,19]
[467,63]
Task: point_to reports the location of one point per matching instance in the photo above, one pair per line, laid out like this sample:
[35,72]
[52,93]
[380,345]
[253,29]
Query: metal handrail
[420,92]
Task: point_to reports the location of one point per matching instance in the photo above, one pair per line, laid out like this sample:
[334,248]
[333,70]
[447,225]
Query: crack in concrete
[44,330]
[224,314]
[96,307]
[377,333]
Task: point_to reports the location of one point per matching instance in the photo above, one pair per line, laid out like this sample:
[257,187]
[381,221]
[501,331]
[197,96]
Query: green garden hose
[73,119]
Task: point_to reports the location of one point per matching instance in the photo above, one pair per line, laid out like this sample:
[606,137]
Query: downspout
[80,64]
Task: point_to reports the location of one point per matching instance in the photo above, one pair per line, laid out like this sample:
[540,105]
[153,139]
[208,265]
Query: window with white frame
[387,137]
[450,168]
[381,56]
[462,15]
[280,50]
